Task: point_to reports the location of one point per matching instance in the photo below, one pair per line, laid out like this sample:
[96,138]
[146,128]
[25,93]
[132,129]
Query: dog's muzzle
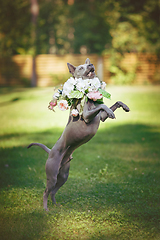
[91,71]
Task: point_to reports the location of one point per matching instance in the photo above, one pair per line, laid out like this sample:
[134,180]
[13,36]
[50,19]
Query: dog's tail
[40,145]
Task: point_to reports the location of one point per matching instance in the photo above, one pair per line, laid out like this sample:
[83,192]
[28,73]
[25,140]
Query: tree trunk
[34,13]
[34,75]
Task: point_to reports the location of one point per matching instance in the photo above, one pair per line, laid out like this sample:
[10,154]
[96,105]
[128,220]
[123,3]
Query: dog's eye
[81,68]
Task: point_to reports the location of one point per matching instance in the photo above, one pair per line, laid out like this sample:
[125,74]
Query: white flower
[95,83]
[66,92]
[103,85]
[56,95]
[71,81]
[63,105]
[74,112]
[86,83]
[68,87]
[81,85]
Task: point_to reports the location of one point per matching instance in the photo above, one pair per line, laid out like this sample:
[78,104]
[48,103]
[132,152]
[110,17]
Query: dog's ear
[87,61]
[71,68]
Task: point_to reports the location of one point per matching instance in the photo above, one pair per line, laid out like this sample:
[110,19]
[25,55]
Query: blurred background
[113,190]
[38,38]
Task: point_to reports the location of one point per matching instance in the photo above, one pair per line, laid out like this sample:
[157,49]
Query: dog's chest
[79,132]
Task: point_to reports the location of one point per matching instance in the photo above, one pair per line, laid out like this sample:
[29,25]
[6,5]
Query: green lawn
[113,191]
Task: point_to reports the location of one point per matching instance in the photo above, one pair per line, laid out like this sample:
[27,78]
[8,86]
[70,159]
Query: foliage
[120,77]
[74,26]
[113,189]
[91,29]
[59,79]
[105,94]
[120,74]
[15,27]
[144,18]
[52,28]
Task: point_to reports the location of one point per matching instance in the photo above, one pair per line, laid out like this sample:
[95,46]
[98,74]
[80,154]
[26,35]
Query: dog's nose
[91,68]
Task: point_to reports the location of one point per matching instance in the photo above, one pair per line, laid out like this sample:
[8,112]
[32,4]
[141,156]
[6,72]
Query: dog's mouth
[91,73]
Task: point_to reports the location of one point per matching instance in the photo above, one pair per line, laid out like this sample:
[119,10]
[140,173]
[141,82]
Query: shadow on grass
[48,137]
[120,147]
[23,167]
[22,225]
[116,177]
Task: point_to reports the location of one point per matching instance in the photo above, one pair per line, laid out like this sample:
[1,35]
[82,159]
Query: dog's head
[84,71]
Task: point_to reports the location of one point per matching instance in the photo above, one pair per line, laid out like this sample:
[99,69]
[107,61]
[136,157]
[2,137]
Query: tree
[138,27]
[52,27]
[90,28]
[15,27]
[74,26]
[34,14]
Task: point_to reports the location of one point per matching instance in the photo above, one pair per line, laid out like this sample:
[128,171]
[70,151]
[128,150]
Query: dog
[78,131]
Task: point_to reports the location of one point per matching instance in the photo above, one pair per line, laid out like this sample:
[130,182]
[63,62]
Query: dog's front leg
[91,111]
[118,104]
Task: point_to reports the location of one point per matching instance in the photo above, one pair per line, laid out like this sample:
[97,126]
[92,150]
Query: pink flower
[74,112]
[52,104]
[63,105]
[94,95]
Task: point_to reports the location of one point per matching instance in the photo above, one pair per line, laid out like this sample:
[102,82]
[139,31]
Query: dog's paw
[124,106]
[111,114]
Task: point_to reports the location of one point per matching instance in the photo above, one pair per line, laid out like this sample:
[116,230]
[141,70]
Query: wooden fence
[52,69]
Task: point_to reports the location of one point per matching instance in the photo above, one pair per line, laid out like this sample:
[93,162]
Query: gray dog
[78,131]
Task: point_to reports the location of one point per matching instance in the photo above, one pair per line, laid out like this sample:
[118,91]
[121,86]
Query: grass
[113,191]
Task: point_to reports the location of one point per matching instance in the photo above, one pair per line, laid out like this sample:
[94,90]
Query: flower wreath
[75,89]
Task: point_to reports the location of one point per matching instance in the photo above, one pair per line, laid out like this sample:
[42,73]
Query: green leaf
[100,101]
[104,93]
[82,105]
[76,94]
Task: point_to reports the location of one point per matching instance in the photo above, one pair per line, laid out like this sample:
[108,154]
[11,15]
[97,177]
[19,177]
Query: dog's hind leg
[56,174]
[45,199]
[61,179]
[50,186]
[52,169]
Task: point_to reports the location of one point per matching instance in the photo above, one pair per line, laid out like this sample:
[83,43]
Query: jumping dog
[78,131]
